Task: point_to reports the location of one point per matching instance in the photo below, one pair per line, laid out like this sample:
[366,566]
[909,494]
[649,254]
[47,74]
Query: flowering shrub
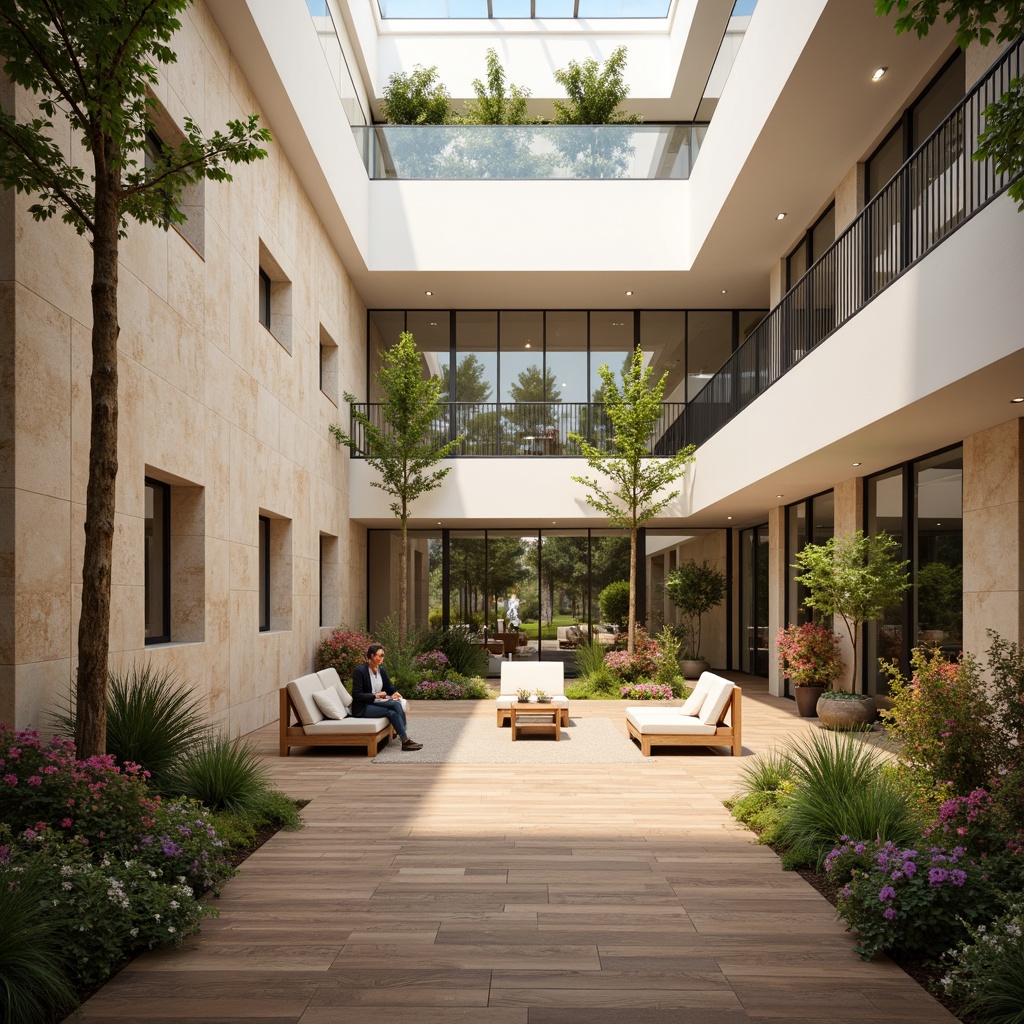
[944,720]
[911,901]
[809,654]
[433,664]
[642,664]
[987,973]
[647,691]
[342,649]
[451,689]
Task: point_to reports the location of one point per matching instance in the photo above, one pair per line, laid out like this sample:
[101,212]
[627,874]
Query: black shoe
[408,744]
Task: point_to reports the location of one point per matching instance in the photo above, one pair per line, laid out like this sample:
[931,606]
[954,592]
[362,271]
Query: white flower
[175,904]
[156,917]
[133,932]
[172,929]
[66,886]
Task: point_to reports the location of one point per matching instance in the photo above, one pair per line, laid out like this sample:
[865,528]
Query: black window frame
[263,549]
[264,304]
[164,491]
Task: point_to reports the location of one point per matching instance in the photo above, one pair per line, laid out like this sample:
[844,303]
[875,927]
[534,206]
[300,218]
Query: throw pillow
[330,704]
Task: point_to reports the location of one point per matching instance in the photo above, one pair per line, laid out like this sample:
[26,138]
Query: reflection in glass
[709,334]
[476,381]
[157,557]
[885,637]
[938,552]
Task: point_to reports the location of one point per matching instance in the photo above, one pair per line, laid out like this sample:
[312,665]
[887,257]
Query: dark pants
[392,710]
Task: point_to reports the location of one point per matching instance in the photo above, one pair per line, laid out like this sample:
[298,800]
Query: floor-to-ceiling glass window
[566,360]
[754,600]
[920,504]
[611,345]
[468,592]
[525,388]
[807,522]
[476,381]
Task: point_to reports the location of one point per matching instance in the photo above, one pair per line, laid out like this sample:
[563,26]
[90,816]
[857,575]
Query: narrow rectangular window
[264,556]
[264,307]
[158,562]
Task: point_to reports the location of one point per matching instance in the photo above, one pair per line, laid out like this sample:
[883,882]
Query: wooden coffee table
[541,718]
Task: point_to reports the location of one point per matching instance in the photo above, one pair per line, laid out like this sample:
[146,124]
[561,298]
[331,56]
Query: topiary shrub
[614,602]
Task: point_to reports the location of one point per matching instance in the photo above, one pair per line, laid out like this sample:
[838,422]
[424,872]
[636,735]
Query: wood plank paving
[544,894]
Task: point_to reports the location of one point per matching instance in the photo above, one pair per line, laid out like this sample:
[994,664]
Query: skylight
[524,8]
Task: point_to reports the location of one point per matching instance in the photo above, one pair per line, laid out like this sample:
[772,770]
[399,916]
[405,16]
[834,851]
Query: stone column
[993,523]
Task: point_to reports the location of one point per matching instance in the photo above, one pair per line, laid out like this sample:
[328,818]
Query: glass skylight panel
[592,9]
[743,8]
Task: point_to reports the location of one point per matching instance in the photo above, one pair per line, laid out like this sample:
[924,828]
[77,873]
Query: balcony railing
[525,151]
[502,429]
[934,192]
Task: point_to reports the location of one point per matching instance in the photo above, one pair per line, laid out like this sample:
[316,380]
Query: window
[163,136]
[275,572]
[330,603]
[158,562]
[275,299]
[328,365]
[175,561]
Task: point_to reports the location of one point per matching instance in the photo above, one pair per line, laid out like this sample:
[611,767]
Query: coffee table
[542,718]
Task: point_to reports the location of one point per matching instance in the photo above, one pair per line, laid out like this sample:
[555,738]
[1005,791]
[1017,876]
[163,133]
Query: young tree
[636,480]
[91,66]
[405,447]
[495,102]
[855,577]
[418,97]
[1002,140]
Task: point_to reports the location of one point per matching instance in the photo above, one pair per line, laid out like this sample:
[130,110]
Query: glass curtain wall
[807,522]
[565,353]
[754,600]
[921,505]
[476,381]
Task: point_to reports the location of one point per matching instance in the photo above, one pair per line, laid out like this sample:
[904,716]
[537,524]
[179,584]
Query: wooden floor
[450,894]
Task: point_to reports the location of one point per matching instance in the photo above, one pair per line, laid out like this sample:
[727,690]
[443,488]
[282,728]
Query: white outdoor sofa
[315,729]
[548,676]
[710,717]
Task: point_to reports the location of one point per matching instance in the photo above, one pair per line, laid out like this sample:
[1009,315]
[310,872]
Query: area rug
[480,741]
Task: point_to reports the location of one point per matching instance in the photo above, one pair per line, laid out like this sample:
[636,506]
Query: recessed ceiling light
[856,463]
[724,290]
[433,323]
[781,215]
[629,293]
[1016,401]
[878,74]
[728,517]
[428,293]
[779,495]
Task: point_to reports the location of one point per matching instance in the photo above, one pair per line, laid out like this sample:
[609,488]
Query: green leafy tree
[1002,139]
[854,576]
[695,588]
[404,448]
[471,389]
[594,95]
[418,97]
[497,101]
[91,67]
[633,489]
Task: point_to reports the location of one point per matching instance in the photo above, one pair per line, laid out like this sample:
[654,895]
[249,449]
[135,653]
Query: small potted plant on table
[809,655]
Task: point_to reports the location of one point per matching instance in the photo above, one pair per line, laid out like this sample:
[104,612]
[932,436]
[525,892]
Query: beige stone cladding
[226,413]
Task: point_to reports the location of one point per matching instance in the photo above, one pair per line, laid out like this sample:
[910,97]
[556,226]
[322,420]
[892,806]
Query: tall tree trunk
[403,579]
[632,591]
[94,625]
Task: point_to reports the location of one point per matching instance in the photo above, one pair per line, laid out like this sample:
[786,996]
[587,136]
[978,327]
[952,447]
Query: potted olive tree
[694,588]
[854,577]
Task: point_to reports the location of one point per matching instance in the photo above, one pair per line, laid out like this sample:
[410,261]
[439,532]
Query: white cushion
[548,676]
[301,692]
[329,702]
[693,703]
[714,704]
[670,725]
[369,726]
[329,677]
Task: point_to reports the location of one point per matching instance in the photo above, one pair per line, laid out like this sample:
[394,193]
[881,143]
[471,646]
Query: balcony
[529,429]
[529,152]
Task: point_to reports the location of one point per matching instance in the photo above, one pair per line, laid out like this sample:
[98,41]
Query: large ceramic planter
[846,712]
[807,699]
[692,668]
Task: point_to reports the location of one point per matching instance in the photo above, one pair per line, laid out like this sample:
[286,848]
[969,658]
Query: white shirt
[376,685]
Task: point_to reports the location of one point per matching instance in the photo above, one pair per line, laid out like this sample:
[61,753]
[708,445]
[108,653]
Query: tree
[416,98]
[1002,139]
[91,66]
[405,446]
[495,103]
[853,576]
[635,492]
[695,588]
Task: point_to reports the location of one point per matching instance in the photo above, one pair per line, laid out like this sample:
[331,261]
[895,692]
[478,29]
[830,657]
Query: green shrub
[33,955]
[222,774]
[459,689]
[768,772]
[840,790]
[342,649]
[464,658]
[944,720]
[909,901]
[152,719]
[668,673]
[589,658]
[761,811]
[614,602]
[400,652]
[271,808]
[987,973]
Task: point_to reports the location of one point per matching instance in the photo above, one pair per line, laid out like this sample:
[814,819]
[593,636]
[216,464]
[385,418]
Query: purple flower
[936,876]
[170,849]
[909,868]
[957,877]
[11,780]
[34,780]
[889,914]
[887,893]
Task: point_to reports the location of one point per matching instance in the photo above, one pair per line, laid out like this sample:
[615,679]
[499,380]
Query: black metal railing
[935,191]
[502,429]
